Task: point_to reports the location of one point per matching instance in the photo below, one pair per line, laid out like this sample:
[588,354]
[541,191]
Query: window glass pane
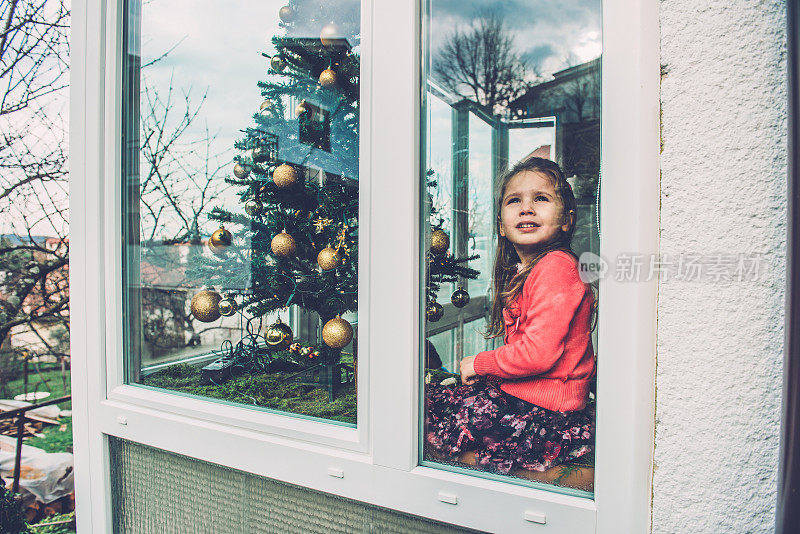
[241,153]
[479,210]
[439,163]
[511,129]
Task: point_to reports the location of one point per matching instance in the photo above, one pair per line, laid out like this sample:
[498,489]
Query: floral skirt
[504,431]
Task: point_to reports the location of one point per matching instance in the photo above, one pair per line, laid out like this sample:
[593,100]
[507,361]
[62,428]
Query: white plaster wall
[723,190]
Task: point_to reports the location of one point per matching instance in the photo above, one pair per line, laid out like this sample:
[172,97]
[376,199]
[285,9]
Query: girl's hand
[468,374]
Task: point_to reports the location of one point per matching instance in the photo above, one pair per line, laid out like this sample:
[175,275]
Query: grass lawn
[56,438]
[48,528]
[50,380]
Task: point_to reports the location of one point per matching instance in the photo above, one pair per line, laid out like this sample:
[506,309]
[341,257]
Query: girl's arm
[547,316]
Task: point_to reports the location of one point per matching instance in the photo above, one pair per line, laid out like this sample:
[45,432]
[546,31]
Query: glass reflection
[241,201]
[507,83]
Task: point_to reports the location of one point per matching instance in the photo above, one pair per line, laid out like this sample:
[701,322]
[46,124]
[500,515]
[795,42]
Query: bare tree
[480,63]
[180,178]
[34,52]
[180,172]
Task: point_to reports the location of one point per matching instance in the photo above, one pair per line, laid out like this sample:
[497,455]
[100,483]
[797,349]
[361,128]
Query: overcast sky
[219,46]
[546,32]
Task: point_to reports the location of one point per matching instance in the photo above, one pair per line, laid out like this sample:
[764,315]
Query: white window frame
[378,459]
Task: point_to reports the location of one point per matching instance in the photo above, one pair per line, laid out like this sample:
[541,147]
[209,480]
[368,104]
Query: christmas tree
[295,240]
[443,267]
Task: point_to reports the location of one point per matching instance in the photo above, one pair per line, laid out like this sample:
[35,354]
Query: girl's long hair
[508,281]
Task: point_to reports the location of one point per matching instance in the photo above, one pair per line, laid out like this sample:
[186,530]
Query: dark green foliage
[10,369]
[12,520]
[267,390]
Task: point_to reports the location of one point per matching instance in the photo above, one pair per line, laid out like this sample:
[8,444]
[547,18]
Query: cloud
[539,54]
[550,34]
[222,54]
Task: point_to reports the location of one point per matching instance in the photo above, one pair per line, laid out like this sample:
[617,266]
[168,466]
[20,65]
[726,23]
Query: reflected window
[511,124]
[241,159]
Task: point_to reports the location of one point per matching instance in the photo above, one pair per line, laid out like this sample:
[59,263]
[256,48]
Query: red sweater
[548,357]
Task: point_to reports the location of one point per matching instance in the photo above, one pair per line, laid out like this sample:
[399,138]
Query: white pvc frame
[377,461]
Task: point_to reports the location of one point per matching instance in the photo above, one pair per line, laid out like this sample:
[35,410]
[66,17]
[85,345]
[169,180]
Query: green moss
[266,390]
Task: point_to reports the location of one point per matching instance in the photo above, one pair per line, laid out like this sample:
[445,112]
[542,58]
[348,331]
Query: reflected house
[573,97]
[325,136]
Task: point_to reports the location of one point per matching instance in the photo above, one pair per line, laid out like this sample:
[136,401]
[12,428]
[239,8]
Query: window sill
[232,415]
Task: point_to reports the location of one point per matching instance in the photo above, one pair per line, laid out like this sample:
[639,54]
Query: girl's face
[531,215]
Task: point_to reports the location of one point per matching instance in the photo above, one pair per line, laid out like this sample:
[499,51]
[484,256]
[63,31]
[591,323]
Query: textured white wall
[723,189]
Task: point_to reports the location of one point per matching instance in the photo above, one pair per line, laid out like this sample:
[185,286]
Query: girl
[525,404]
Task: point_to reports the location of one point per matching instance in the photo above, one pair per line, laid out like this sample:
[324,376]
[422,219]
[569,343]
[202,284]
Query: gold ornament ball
[329,32]
[283,245]
[221,238]
[253,207]
[284,176]
[286,14]
[306,351]
[434,311]
[300,109]
[440,242]
[279,336]
[459,298]
[277,63]
[327,78]
[337,333]
[227,307]
[205,306]
[240,171]
[328,259]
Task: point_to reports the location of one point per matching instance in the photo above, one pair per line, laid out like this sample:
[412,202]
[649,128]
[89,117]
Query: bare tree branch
[480,63]
[165,54]
[34,59]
